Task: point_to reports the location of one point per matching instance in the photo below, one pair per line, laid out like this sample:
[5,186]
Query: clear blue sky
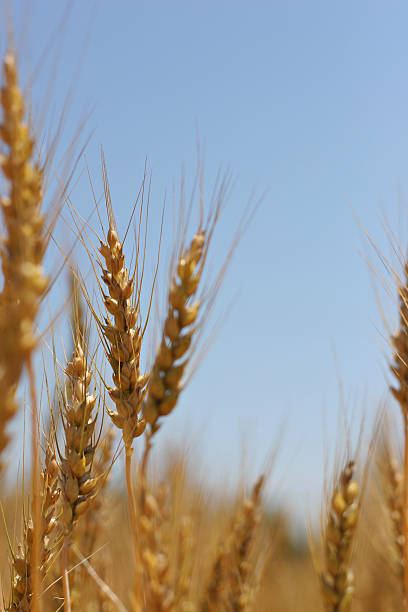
[307,101]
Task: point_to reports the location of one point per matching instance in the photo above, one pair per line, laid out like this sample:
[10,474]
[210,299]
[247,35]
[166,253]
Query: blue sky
[303,101]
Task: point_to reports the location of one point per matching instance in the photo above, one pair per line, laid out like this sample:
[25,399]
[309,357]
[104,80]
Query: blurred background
[306,105]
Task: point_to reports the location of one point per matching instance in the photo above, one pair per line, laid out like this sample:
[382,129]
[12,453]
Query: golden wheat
[190,550]
[338,579]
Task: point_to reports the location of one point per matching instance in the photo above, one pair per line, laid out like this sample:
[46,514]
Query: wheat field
[98,518]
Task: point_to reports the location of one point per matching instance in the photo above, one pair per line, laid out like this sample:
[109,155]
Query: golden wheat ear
[79,484]
[337,579]
[120,325]
[23,246]
[22,588]
[232,582]
[119,328]
[22,255]
[154,585]
[399,368]
[164,384]
[93,530]
[122,336]
[189,304]
[393,491]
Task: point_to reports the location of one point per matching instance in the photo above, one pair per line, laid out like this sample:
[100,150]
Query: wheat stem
[131,499]
[65,577]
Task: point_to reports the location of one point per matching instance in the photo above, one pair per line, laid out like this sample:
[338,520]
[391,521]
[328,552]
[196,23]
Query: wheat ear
[21,593]
[78,482]
[400,369]
[394,493]
[230,585]
[94,526]
[337,580]
[79,486]
[23,246]
[124,342]
[241,592]
[214,593]
[164,383]
[158,594]
[24,281]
